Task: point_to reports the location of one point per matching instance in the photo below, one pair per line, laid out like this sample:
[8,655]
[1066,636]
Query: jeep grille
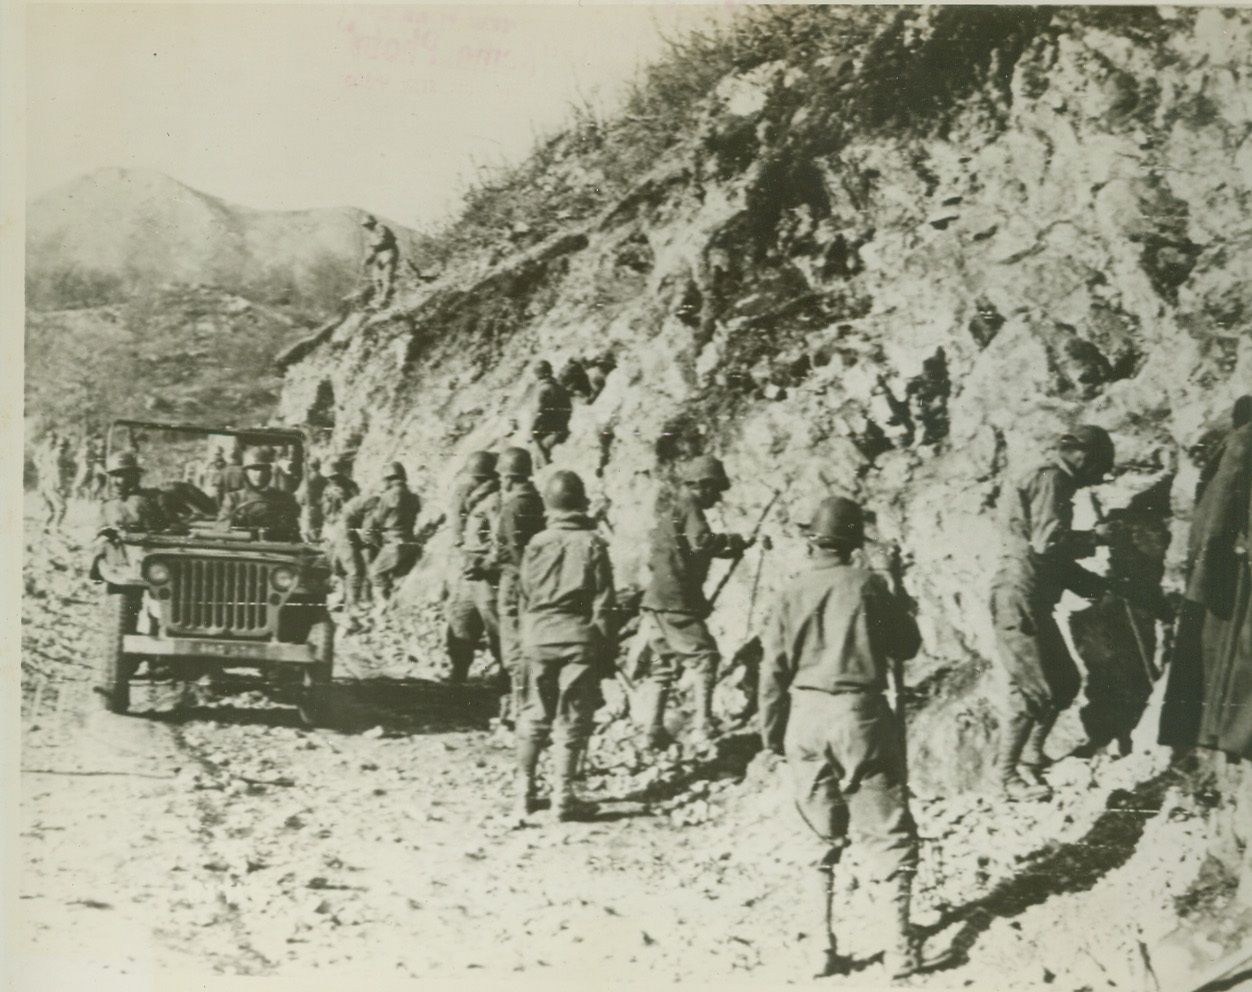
[215,597]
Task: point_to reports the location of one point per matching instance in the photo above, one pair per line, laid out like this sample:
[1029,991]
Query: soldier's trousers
[393,562]
[348,561]
[847,770]
[54,505]
[679,641]
[470,612]
[383,275]
[1042,676]
[511,652]
[559,698]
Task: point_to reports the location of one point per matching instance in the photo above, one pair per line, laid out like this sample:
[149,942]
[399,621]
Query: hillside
[887,253]
[115,232]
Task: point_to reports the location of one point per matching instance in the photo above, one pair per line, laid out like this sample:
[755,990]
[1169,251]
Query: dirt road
[210,833]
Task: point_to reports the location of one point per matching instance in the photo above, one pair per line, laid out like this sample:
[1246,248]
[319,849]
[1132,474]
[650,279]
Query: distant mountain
[115,232]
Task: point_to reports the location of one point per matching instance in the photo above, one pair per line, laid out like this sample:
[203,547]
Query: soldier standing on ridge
[1037,564]
[551,423]
[829,640]
[389,528]
[471,606]
[521,518]
[683,548]
[566,602]
[381,258]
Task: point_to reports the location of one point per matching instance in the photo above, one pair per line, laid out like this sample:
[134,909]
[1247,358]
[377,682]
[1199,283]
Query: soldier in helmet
[566,602]
[521,518]
[348,549]
[471,605]
[337,490]
[1038,561]
[683,548]
[258,504]
[128,508]
[830,639]
[553,409]
[310,496]
[382,255]
[389,528]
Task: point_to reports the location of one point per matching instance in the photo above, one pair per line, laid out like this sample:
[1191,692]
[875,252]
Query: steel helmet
[481,464]
[543,367]
[259,456]
[1096,442]
[341,463]
[565,491]
[706,468]
[515,462]
[123,461]
[837,522]
[369,220]
[395,471]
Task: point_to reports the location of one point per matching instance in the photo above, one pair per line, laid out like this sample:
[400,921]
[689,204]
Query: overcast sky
[282,107]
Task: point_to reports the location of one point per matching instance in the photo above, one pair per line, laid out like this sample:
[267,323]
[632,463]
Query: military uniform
[521,518]
[136,512]
[566,602]
[828,643]
[347,549]
[471,609]
[1037,564]
[56,472]
[270,510]
[551,424]
[336,492]
[389,528]
[382,257]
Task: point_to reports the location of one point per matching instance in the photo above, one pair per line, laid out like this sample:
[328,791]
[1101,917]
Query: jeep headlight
[283,579]
[157,572]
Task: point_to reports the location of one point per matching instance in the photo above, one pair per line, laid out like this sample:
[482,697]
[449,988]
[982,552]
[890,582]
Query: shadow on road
[1069,868]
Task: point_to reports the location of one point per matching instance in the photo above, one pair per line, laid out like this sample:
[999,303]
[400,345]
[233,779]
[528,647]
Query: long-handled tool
[1149,668]
[752,537]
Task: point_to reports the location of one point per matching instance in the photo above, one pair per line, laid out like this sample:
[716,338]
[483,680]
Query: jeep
[195,595]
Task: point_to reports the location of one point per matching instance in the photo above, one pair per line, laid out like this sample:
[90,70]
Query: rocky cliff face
[889,255]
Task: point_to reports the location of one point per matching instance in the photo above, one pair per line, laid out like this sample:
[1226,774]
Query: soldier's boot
[526,798]
[903,954]
[1013,735]
[827,961]
[658,737]
[566,802]
[1034,759]
[460,658]
[706,726]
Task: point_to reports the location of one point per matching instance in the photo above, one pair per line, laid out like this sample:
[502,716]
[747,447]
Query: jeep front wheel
[115,666]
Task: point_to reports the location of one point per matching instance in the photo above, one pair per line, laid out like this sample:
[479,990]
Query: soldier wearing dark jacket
[258,504]
[382,255]
[390,530]
[337,490]
[521,518]
[566,601]
[1037,564]
[829,642]
[471,606]
[683,548]
[348,550]
[553,409]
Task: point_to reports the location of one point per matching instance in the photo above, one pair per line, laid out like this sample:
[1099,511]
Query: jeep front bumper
[236,651]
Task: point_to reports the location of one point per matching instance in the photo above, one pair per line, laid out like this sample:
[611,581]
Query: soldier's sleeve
[1052,518]
[890,622]
[775,680]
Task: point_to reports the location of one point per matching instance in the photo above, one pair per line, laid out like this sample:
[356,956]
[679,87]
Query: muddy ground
[210,834]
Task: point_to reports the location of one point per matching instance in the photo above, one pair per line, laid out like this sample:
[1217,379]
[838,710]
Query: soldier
[829,640]
[381,258]
[310,495]
[566,601]
[232,478]
[521,518]
[551,423]
[471,606]
[337,490]
[129,508]
[1037,563]
[348,548]
[389,528]
[215,478]
[683,547]
[56,477]
[259,505]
